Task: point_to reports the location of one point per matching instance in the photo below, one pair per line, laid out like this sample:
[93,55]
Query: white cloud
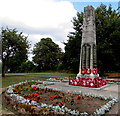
[38,18]
[91,0]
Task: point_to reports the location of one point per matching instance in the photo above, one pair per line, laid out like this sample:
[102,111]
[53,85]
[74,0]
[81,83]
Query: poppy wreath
[103,82]
[91,84]
[83,71]
[88,80]
[98,83]
[88,71]
[95,71]
[71,81]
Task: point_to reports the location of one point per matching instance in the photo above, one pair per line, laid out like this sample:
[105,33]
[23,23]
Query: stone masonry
[88,58]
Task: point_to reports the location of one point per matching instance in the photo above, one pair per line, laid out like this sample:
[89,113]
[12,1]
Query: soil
[83,104]
[71,101]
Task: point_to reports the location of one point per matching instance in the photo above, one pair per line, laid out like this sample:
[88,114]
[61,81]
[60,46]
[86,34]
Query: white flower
[43,105]
[33,102]
[10,91]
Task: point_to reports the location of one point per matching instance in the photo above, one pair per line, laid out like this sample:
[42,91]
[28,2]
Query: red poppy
[78,97]
[15,90]
[17,86]
[68,100]
[38,101]
[60,104]
[35,95]
[26,88]
[34,99]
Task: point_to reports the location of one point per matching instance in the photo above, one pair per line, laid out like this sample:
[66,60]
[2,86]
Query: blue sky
[79,6]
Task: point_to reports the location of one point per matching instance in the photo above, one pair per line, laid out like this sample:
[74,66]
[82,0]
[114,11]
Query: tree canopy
[108,40]
[14,49]
[47,54]
[72,47]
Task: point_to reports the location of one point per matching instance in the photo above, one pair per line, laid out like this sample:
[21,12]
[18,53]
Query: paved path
[110,89]
[40,75]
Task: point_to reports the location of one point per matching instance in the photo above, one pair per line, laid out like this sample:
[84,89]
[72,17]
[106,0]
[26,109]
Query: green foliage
[27,67]
[108,40]
[14,49]
[47,54]
[0,48]
[72,48]
[0,67]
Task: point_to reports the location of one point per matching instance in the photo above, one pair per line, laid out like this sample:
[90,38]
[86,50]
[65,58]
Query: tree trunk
[3,69]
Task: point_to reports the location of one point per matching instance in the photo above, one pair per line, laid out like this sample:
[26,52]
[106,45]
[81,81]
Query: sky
[44,18]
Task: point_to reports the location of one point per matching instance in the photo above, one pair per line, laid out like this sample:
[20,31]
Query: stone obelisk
[88,58]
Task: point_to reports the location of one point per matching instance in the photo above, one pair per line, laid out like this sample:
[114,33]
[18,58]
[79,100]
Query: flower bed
[35,97]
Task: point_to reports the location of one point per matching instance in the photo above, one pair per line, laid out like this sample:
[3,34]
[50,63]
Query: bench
[113,75]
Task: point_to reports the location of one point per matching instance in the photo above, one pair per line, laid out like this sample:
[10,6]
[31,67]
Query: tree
[14,49]
[47,54]
[108,40]
[26,67]
[72,47]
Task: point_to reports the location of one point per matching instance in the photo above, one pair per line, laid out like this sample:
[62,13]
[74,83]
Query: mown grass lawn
[6,81]
[13,78]
[45,73]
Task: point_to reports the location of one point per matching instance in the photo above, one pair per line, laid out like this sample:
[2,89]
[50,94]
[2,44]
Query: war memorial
[88,72]
[86,94]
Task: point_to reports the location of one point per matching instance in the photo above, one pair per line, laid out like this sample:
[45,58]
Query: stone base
[87,75]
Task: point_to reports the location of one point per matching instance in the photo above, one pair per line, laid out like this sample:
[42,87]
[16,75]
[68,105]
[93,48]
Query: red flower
[60,104]
[23,95]
[26,88]
[68,100]
[35,95]
[34,99]
[26,83]
[78,97]
[34,88]
[17,86]
[38,101]
[15,90]
[20,89]
[39,97]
